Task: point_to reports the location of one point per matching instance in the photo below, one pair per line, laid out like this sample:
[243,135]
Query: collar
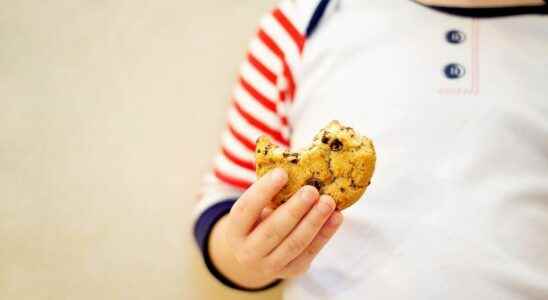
[492,12]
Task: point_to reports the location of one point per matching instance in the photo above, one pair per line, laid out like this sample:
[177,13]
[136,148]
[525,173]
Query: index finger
[248,208]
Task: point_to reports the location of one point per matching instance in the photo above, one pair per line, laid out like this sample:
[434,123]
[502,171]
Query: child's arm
[260,104]
[254,246]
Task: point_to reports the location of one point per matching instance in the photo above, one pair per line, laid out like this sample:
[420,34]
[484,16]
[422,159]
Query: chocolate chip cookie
[339,163]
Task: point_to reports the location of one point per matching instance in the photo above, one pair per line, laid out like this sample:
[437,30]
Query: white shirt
[458,111]
[458,205]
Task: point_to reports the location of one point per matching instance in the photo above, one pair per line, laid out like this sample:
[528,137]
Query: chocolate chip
[293,159]
[342,190]
[336,145]
[315,183]
[325,140]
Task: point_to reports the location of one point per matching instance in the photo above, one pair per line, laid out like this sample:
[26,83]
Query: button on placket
[454,70]
[459,66]
[455,37]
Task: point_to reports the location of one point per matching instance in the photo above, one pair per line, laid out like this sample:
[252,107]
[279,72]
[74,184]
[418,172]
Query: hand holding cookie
[280,223]
[272,244]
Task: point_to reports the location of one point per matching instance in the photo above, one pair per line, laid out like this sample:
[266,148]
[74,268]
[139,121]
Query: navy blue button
[455,36]
[454,71]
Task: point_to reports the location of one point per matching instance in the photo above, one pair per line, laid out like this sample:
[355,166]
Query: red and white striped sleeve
[259,105]
[260,102]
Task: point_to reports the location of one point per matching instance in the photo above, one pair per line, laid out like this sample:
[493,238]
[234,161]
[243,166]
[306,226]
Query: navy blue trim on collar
[489,12]
[493,12]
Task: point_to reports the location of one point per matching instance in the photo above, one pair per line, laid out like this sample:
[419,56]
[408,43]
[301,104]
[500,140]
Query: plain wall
[110,113]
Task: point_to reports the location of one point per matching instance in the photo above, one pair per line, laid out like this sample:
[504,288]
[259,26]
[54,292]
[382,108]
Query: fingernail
[279,175]
[325,205]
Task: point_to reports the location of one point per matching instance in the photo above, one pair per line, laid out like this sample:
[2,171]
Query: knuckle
[273,235]
[324,235]
[273,266]
[262,187]
[293,214]
[295,245]
[315,222]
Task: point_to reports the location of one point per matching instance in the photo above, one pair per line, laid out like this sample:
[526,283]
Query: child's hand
[268,244]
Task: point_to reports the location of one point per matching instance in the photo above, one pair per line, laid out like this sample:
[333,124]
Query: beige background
[109,112]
